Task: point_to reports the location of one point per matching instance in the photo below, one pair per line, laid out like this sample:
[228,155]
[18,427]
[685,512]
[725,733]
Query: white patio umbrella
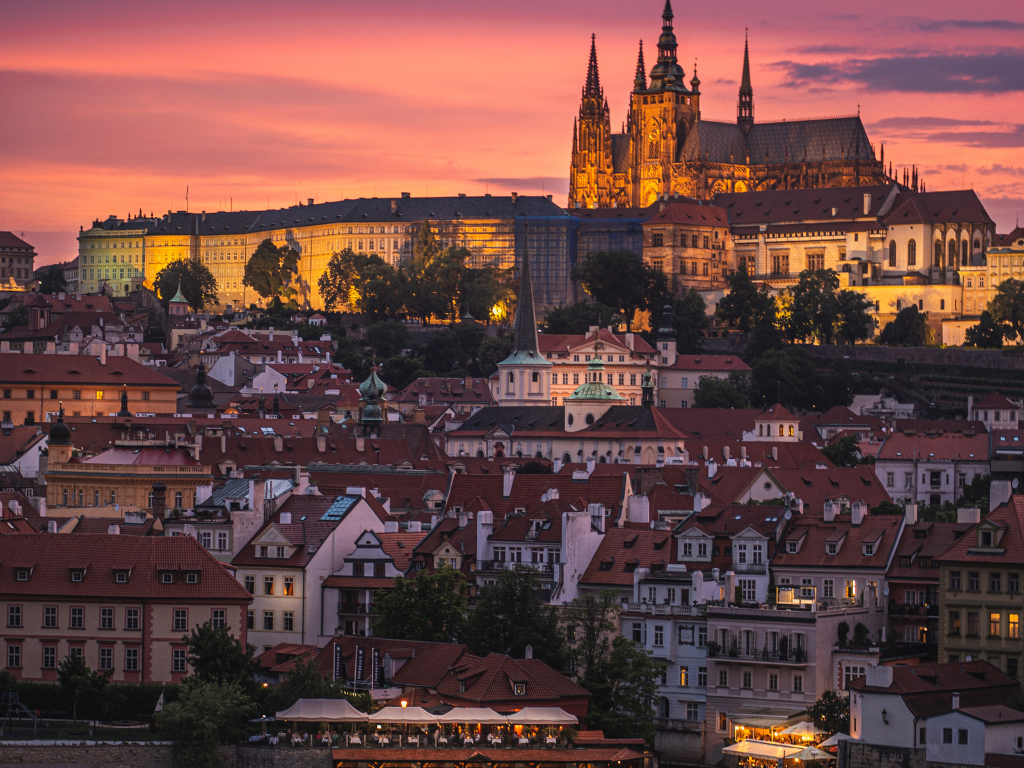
[802,729]
[403,715]
[479,715]
[809,754]
[542,716]
[835,738]
[322,711]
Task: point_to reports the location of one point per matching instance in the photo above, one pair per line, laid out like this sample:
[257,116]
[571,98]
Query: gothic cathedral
[667,149]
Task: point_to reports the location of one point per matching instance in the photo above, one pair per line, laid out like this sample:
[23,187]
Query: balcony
[352,609]
[659,609]
[671,724]
[749,567]
[501,565]
[796,657]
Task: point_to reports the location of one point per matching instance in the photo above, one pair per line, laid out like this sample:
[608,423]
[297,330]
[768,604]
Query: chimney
[639,509]
[103,354]
[360,443]
[321,443]
[712,468]
[463,519]
[911,514]
[867,204]
[556,466]
[956,700]
[394,206]
[529,655]
[51,526]
[114,529]
[286,518]
[591,464]
[830,511]
[515,198]
[415,526]
[390,526]
[223,443]
[258,495]
[858,511]
[309,201]
[508,480]
[970,407]
[968,515]
[775,453]
[159,500]
[878,676]
[278,443]
[629,341]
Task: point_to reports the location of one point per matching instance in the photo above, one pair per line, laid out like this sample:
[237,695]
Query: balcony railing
[501,565]
[671,724]
[795,656]
[355,608]
[660,609]
[750,567]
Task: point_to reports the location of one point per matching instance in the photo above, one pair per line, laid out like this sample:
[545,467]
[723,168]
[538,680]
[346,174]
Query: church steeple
[593,86]
[524,336]
[640,81]
[667,74]
[745,108]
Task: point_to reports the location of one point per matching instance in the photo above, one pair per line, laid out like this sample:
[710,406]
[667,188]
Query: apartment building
[931,466]
[33,386]
[16,259]
[980,591]
[123,603]
[284,564]
[691,244]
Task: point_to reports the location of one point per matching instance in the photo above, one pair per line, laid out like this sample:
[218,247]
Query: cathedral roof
[827,139]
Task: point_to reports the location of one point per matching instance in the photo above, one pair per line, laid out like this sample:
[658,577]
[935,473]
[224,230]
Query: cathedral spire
[667,73]
[524,335]
[593,87]
[640,82]
[745,108]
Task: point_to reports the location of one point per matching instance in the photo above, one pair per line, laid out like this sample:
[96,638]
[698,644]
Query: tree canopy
[623,280]
[217,656]
[908,329]
[206,715]
[510,615]
[578,318]
[987,334]
[270,271]
[198,285]
[589,626]
[431,606]
[844,452]
[713,392]
[53,280]
[623,690]
[745,305]
[1007,307]
[831,712]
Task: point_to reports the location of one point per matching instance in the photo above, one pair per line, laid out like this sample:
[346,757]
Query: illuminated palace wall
[121,254]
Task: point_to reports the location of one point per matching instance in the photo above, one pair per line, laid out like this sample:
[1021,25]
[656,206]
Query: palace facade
[666,148]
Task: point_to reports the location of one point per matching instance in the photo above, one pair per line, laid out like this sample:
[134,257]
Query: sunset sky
[110,107]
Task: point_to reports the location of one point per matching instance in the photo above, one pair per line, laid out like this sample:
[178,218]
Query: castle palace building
[667,149]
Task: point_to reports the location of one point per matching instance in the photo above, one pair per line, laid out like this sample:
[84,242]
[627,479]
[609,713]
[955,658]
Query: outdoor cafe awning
[765,717]
[322,710]
[542,716]
[478,715]
[763,749]
[403,715]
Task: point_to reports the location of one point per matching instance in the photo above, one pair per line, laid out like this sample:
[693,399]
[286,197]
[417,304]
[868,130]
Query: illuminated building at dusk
[666,147]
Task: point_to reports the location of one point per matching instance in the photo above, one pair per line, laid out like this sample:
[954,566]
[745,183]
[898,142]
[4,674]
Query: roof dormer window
[167,578]
[120,577]
[831,548]
[191,578]
[77,575]
[791,547]
[985,538]
[21,574]
[519,689]
[869,549]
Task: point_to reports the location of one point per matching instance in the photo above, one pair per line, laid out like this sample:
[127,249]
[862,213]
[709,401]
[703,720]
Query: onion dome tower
[59,440]
[201,396]
[372,392]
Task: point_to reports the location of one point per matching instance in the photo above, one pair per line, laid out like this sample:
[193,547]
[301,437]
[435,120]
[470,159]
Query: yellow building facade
[79,484]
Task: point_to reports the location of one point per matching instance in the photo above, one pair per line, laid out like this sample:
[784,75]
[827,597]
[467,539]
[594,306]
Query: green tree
[844,452]
[430,607]
[217,656]
[689,319]
[80,682]
[787,375]
[53,280]
[888,508]
[837,385]
[16,318]
[977,493]
[853,318]
[744,306]
[623,690]
[831,713]
[488,294]
[382,291]
[713,392]
[454,348]
[400,371]
[343,272]
[422,301]
[1007,306]
[590,623]
[622,279]
[511,615]
[198,285]
[206,715]
[987,334]
[305,681]
[493,350]
[270,270]
[815,309]
[578,318]
[908,329]
[388,337]
[443,279]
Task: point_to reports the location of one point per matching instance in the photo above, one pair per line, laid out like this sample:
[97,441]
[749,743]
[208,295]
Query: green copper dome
[373,388]
[178,296]
[595,388]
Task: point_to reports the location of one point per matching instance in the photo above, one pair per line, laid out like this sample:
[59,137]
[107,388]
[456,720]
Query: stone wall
[853,754]
[155,756]
[952,357]
[283,757]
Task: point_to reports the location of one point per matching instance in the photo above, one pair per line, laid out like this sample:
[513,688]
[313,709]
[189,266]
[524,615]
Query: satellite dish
[1015,483]
[885,590]
[968,657]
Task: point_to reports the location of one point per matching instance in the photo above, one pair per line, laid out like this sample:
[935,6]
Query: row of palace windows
[912,251]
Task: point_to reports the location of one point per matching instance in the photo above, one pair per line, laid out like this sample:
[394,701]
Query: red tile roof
[400,547]
[816,486]
[622,551]
[995,400]
[711,363]
[689,213]
[52,557]
[1008,517]
[924,448]
[166,456]
[424,664]
[564,342]
[927,688]
[283,657]
[881,530]
[15,441]
[438,389]
[72,370]
[491,679]
[927,541]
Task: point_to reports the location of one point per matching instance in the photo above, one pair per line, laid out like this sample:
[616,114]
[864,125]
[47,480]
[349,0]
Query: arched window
[95,498]
[177,500]
[790,430]
[912,253]
[977,245]
[65,497]
[81,498]
[150,502]
[952,250]
[652,150]
[511,378]
[781,431]
[965,251]
[938,253]
[892,253]
[760,430]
